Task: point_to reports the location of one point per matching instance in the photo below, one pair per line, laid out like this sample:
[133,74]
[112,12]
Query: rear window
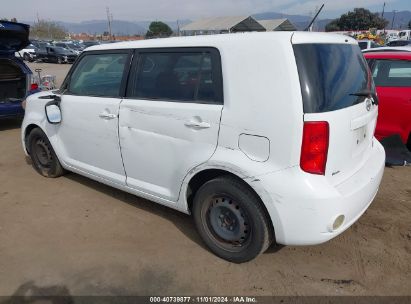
[329,73]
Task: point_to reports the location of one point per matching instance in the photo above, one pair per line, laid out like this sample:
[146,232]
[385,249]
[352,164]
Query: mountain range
[121,27]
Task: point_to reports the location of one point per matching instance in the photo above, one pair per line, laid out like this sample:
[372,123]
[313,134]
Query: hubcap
[43,153]
[228,221]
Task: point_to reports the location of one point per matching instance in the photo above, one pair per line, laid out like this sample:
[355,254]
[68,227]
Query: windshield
[330,74]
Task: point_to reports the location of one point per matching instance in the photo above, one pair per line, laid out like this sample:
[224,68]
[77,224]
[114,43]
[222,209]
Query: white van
[262,137]
[404,35]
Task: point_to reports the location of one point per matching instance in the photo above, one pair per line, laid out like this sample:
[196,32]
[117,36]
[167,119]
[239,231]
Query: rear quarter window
[392,73]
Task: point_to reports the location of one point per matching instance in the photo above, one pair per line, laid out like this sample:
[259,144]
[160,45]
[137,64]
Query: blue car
[15,76]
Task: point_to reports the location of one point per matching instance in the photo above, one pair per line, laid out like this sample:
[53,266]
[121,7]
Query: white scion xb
[262,137]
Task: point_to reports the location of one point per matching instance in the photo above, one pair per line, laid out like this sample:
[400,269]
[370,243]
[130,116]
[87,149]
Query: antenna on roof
[315,17]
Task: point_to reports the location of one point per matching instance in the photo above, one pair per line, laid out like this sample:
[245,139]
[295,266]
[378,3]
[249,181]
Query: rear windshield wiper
[367,93]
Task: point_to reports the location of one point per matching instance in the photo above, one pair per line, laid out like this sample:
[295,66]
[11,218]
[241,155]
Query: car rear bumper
[304,207]
[11,109]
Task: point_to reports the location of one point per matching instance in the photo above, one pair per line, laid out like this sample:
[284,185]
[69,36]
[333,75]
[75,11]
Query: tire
[44,159]
[231,220]
[409,143]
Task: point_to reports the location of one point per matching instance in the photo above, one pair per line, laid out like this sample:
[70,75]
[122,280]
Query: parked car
[279,148]
[56,55]
[392,77]
[399,43]
[368,44]
[70,46]
[90,43]
[389,49]
[15,76]
[28,53]
[404,35]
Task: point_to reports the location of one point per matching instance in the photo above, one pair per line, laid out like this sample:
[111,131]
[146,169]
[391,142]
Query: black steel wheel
[231,219]
[43,157]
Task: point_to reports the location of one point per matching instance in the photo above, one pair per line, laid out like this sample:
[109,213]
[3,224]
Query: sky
[142,10]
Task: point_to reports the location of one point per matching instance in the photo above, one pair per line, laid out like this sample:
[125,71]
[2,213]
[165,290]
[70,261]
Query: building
[277,25]
[220,25]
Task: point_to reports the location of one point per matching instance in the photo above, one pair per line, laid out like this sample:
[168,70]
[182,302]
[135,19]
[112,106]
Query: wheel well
[204,176]
[27,131]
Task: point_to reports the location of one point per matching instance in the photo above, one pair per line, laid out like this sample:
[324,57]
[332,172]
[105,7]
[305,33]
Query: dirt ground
[74,236]
[58,70]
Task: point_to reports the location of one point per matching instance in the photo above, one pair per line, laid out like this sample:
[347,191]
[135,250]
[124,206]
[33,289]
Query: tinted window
[392,73]
[329,74]
[176,76]
[363,45]
[98,75]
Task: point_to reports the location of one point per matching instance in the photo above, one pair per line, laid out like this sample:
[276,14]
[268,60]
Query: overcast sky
[141,10]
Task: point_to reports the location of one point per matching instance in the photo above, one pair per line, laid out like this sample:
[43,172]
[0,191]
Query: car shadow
[182,221]
[29,292]
[10,124]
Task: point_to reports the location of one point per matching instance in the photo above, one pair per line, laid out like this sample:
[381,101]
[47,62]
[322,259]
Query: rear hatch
[337,88]
[13,37]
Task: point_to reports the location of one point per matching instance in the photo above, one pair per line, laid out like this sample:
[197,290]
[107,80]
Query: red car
[392,77]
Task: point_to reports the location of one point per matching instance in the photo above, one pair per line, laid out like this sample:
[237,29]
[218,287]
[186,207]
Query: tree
[48,30]
[158,29]
[359,19]
[409,25]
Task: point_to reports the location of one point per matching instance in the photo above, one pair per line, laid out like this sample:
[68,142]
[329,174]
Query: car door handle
[107,116]
[197,124]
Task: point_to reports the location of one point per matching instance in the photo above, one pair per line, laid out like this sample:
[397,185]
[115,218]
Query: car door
[89,130]
[170,119]
[393,81]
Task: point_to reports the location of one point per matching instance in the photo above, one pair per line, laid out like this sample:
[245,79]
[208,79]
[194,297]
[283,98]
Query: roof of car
[388,55]
[220,39]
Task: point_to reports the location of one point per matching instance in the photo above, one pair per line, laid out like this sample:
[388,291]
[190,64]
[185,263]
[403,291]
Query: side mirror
[53,112]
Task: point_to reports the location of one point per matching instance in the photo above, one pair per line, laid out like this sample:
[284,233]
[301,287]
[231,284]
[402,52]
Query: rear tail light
[34,86]
[314,150]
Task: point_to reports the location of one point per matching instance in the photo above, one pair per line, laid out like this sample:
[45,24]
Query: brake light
[34,86]
[314,149]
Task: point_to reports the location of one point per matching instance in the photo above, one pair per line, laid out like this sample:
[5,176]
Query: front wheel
[43,157]
[231,220]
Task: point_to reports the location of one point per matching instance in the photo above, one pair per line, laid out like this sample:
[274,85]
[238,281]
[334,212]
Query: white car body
[28,52]
[404,35]
[154,149]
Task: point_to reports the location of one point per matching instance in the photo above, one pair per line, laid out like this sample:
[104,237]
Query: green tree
[359,19]
[47,30]
[409,24]
[158,29]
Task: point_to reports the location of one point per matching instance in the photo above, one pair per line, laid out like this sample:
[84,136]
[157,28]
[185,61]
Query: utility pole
[382,16]
[393,19]
[109,19]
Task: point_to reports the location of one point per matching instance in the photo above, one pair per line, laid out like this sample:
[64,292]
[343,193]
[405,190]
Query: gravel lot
[73,236]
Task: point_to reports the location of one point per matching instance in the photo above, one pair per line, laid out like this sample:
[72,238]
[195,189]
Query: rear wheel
[409,142]
[231,220]
[43,157]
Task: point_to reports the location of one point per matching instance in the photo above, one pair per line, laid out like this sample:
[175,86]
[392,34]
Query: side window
[176,76]
[98,75]
[392,73]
